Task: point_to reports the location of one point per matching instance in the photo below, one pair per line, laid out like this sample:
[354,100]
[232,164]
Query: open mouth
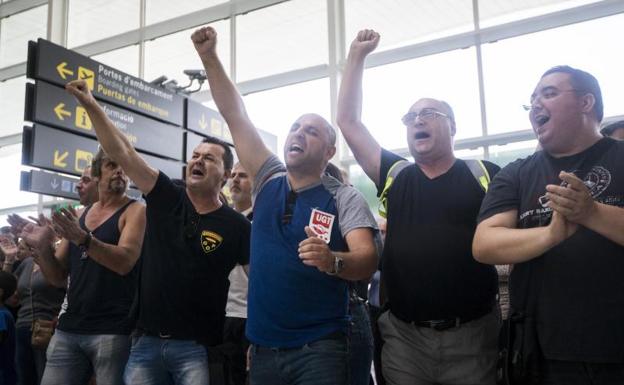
[295,148]
[541,119]
[421,135]
[197,172]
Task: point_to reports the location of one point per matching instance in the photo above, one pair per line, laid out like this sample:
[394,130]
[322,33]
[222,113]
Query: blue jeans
[322,362]
[360,344]
[74,358]
[159,361]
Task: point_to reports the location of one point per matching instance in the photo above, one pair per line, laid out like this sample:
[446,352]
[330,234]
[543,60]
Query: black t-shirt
[578,284]
[185,265]
[427,265]
[98,298]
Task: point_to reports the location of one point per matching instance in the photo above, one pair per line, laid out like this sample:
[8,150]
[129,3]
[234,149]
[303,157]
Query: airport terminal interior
[482,56]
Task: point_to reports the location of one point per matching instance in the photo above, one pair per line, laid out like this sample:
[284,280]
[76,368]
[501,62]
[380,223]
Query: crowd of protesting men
[180,288]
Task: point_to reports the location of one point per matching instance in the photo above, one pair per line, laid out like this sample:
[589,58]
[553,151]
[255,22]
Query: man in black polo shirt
[558,216]
[192,242]
[441,327]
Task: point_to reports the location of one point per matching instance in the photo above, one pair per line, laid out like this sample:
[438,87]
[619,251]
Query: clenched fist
[81,92]
[205,41]
[365,42]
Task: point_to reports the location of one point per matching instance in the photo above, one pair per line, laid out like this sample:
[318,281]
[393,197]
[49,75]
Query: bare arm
[576,203]
[349,115]
[53,263]
[114,142]
[249,146]
[119,258]
[360,262]
[497,241]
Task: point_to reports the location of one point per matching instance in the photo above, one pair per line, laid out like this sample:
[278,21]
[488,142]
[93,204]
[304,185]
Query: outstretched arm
[249,146]
[349,115]
[113,141]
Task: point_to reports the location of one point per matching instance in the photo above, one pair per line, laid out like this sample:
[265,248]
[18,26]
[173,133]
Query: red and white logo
[321,223]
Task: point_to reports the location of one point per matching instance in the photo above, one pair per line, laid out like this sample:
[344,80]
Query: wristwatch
[84,246]
[338,266]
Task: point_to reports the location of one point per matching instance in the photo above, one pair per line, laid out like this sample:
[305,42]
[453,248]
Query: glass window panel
[509,81]
[160,10]
[363,184]
[405,22]
[504,154]
[12,94]
[16,30]
[470,153]
[172,54]
[124,59]
[495,12]
[92,20]
[281,38]
[277,109]
[10,166]
[390,90]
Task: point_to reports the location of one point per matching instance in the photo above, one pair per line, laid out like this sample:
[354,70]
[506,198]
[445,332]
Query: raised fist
[365,42]
[205,41]
[81,92]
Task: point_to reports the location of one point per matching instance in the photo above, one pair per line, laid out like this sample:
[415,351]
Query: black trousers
[234,349]
[581,373]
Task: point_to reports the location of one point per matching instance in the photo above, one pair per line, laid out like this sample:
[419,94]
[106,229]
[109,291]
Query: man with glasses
[558,216]
[441,326]
[310,234]
[192,242]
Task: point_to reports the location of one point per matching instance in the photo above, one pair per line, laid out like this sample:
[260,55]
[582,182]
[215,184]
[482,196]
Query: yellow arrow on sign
[60,111]
[202,122]
[64,71]
[59,160]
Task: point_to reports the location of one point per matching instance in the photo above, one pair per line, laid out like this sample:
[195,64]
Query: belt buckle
[441,325]
[164,336]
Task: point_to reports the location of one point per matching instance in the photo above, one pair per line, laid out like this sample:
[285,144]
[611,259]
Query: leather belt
[449,323]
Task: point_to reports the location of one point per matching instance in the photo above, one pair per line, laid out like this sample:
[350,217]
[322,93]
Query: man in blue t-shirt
[310,234]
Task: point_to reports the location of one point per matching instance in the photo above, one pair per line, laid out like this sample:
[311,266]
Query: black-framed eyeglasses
[190,229]
[546,93]
[426,114]
[291,200]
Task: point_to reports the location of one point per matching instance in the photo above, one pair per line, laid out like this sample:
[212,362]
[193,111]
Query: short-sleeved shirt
[578,285]
[427,265]
[186,260]
[8,375]
[289,303]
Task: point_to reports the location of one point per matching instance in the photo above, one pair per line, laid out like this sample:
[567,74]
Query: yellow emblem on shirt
[210,241]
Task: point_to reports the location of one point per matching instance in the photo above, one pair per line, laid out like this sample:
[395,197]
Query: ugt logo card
[321,223]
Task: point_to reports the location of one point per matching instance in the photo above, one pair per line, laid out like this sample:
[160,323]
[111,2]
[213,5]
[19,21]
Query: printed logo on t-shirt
[321,224]
[597,181]
[210,241]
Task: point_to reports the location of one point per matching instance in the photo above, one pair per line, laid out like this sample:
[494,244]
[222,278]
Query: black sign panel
[191,141]
[206,121]
[52,105]
[56,150]
[58,65]
[57,185]
[49,184]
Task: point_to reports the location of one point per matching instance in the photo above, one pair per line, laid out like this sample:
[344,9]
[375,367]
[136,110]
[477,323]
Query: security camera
[195,74]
